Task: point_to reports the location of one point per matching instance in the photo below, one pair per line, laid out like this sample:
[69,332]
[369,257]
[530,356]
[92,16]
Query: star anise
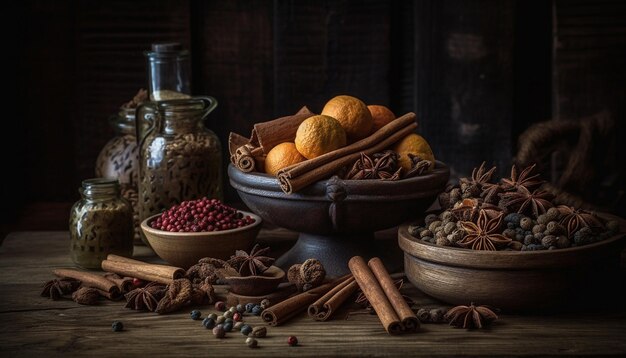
[381,167]
[525,202]
[253,263]
[484,234]
[472,187]
[575,219]
[471,316]
[59,287]
[523,180]
[145,298]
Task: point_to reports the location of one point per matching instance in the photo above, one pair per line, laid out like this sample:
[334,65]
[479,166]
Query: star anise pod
[386,161]
[253,263]
[382,166]
[525,202]
[145,298]
[575,219]
[484,234]
[523,180]
[59,287]
[471,316]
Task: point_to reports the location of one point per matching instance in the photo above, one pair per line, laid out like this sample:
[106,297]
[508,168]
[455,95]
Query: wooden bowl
[256,285]
[527,281]
[184,249]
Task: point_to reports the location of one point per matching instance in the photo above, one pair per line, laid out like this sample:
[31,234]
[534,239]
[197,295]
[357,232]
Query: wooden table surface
[36,326]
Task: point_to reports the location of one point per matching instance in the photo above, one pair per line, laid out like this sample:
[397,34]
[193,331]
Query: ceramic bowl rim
[201,234]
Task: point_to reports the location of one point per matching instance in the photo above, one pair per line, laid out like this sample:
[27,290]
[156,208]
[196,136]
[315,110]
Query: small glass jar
[119,159]
[101,223]
[169,70]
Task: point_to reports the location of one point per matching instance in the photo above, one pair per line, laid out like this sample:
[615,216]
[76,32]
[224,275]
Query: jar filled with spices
[101,223]
[179,158]
[119,157]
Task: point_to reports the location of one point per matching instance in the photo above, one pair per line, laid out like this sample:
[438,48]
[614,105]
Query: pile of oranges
[344,120]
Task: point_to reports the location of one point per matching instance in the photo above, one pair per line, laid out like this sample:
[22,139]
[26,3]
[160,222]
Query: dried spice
[309,274]
[145,298]
[253,263]
[206,269]
[203,293]
[56,288]
[418,166]
[575,219]
[525,202]
[524,180]
[471,316]
[86,296]
[473,186]
[178,295]
[380,166]
[484,234]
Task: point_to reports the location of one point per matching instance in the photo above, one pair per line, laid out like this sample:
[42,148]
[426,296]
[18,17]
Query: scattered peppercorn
[137,282]
[220,319]
[237,326]
[245,329]
[228,314]
[241,308]
[237,317]
[212,316]
[265,303]
[220,306]
[228,326]
[232,309]
[117,326]
[195,315]
[208,323]
[249,307]
[218,331]
[292,341]
[251,342]
[257,310]
[259,332]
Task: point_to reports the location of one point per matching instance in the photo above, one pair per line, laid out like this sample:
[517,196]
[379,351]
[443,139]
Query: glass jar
[168,72]
[179,158]
[119,159]
[101,223]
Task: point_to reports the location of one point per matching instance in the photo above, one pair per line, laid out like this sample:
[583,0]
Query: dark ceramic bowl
[337,218]
[256,285]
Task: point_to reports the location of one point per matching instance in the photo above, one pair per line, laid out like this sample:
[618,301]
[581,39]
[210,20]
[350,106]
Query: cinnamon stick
[325,306]
[282,312]
[89,279]
[125,284]
[408,319]
[375,294]
[298,176]
[269,134]
[150,272]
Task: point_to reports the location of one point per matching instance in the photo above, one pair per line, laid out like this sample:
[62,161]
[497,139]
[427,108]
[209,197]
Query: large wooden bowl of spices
[527,281]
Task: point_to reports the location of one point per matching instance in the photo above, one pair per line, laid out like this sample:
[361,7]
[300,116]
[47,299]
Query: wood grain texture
[39,326]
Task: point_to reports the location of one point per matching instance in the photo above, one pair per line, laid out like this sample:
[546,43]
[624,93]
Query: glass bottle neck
[182,116]
[100,189]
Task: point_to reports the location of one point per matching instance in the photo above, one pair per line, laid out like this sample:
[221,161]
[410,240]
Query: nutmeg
[86,296]
[312,272]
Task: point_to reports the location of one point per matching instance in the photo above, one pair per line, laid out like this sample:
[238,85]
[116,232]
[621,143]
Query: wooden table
[37,326]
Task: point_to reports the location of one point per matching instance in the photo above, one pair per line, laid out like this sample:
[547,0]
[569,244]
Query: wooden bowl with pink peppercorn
[200,228]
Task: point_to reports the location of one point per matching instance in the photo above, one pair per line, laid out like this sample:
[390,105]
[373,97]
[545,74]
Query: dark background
[477,73]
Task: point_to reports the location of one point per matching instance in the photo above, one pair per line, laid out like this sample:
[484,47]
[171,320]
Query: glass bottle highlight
[101,223]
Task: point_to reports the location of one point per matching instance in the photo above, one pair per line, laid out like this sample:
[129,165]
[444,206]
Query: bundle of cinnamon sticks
[378,287]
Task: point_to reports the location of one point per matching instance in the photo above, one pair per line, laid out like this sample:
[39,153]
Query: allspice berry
[251,342]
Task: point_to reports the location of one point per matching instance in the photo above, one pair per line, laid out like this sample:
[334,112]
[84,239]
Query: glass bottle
[168,72]
[179,158]
[101,223]
[119,159]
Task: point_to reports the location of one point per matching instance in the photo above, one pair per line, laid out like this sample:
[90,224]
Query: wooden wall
[477,72]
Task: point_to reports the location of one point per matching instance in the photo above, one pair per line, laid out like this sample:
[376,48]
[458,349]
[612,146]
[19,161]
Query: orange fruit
[381,116]
[319,135]
[353,115]
[413,144]
[281,156]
